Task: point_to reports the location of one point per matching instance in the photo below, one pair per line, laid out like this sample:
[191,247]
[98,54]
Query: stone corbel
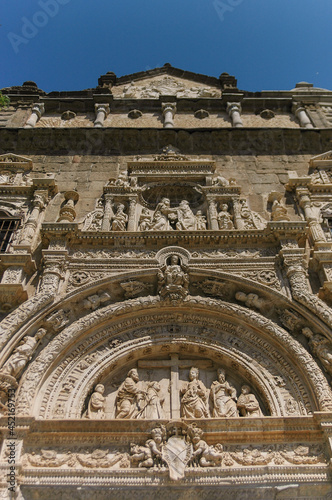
[169,110]
[36,113]
[234,111]
[301,114]
[102,110]
[68,212]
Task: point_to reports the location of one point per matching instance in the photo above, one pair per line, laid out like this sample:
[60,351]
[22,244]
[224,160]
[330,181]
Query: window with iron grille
[8,226]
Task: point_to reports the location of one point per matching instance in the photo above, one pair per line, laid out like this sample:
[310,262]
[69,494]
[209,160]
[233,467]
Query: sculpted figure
[220,181]
[203,454]
[194,397]
[153,404]
[129,396]
[22,354]
[120,219]
[200,221]
[186,218]
[251,220]
[248,404]
[279,211]
[145,220]
[166,213]
[223,397]
[320,347]
[150,454]
[225,218]
[172,280]
[96,405]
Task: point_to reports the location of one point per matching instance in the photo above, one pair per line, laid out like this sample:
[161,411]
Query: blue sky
[68,44]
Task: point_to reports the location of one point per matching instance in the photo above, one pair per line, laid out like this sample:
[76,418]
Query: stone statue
[96,407]
[224,218]
[165,215]
[152,409]
[223,397]
[22,354]
[194,397]
[200,221]
[120,219]
[248,404]
[173,282]
[186,218]
[320,347]
[145,220]
[93,220]
[203,454]
[220,181]
[129,397]
[251,220]
[151,454]
[279,211]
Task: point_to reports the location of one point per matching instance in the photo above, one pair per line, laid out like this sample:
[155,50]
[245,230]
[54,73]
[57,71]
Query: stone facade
[166,289]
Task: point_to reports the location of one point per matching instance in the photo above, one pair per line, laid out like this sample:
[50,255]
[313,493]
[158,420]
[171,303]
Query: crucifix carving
[175,364]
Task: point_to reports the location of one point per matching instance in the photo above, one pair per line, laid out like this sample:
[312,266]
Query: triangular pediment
[12,160]
[166,81]
[322,160]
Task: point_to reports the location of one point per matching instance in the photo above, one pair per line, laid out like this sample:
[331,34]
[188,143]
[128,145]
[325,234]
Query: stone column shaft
[39,203]
[131,215]
[36,113]
[108,213]
[102,110]
[213,214]
[301,114]
[238,221]
[234,111]
[169,110]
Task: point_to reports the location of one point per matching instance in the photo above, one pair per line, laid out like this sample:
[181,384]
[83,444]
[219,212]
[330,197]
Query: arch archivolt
[99,346]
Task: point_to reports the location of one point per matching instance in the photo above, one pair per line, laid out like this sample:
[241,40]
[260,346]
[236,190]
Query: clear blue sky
[68,44]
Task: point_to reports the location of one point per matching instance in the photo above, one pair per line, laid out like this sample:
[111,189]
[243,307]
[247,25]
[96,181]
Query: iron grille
[8,226]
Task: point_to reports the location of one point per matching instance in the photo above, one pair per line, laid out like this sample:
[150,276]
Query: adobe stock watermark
[224,6]
[30,27]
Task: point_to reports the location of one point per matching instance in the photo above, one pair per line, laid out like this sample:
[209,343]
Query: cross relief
[177,391]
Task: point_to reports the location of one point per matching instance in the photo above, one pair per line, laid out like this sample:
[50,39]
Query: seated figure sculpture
[194,397]
[129,397]
[223,397]
[120,219]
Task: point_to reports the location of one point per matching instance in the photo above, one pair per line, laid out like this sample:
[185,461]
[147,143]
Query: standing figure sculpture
[223,397]
[129,396]
[96,405]
[153,404]
[120,219]
[225,218]
[194,397]
[248,404]
[22,354]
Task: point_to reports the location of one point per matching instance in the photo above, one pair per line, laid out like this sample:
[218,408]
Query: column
[131,214]
[108,213]
[238,221]
[301,115]
[234,111]
[54,267]
[36,113]
[213,214]
[38,204]
[169,110]
[67,212]
[102,110]
[316,231]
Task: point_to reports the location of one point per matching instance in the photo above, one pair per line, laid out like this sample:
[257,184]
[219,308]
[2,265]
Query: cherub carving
[203,454]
